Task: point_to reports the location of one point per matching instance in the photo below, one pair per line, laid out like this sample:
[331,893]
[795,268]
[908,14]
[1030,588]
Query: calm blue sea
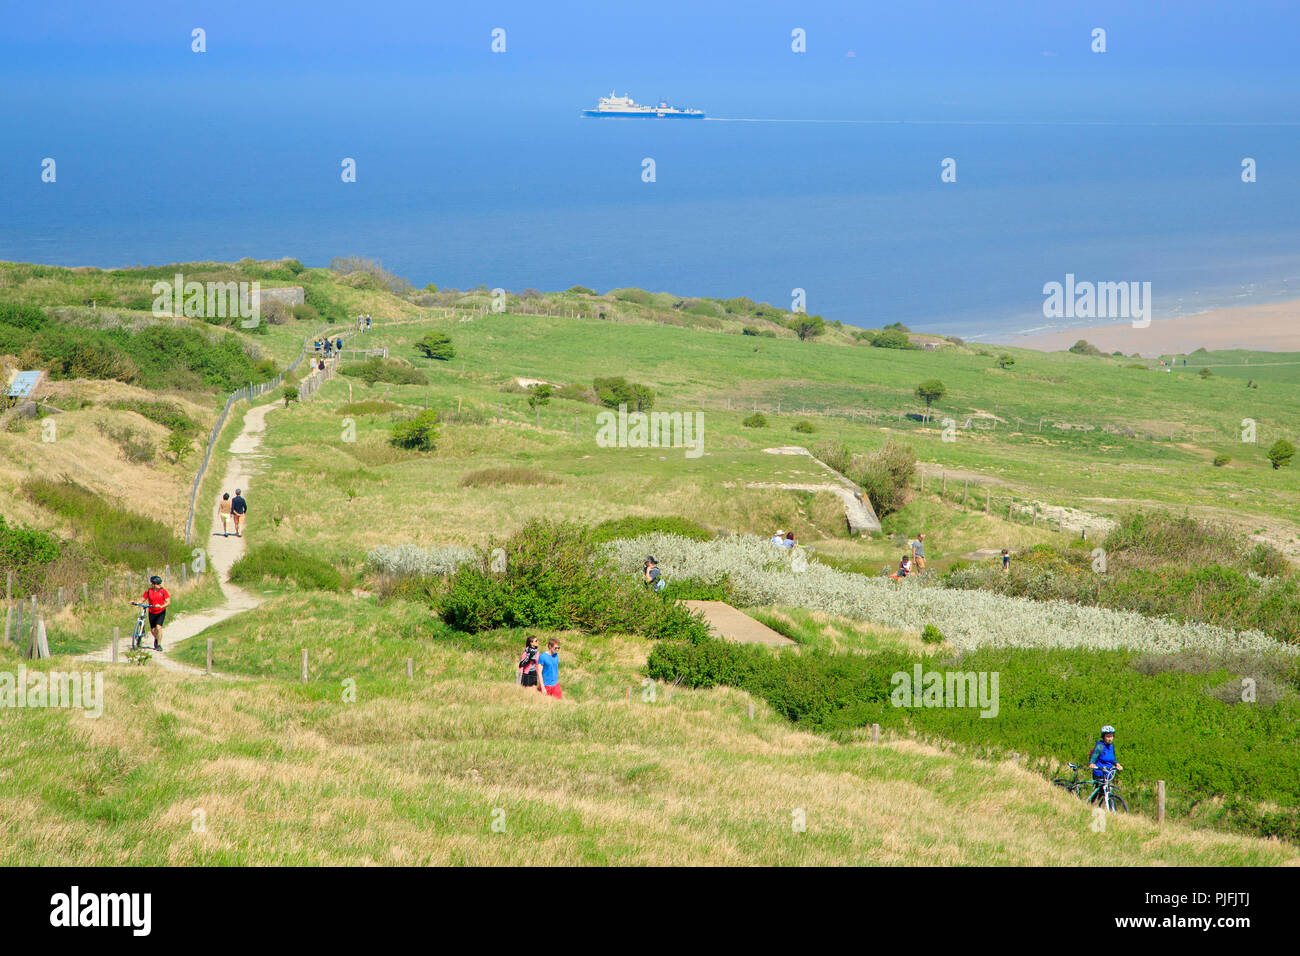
[532,194]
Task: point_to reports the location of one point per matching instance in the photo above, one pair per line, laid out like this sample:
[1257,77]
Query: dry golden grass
[417,773]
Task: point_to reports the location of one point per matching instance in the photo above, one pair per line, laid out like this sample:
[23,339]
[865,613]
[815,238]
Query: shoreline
[1272,327]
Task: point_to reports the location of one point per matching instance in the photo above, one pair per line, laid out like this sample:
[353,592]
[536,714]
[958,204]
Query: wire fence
[247,393]
[23,613]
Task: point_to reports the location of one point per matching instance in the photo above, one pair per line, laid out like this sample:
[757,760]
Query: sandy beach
[1274,328]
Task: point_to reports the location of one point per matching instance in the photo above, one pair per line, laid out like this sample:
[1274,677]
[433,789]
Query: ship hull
[642,114]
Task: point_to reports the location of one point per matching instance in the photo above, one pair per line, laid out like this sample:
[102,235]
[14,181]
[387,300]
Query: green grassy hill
[414,772]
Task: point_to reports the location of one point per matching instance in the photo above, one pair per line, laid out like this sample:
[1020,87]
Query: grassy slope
[411,773]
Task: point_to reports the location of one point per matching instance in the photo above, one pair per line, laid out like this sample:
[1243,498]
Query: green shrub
[833,453]
[931,635]
[167,414]
[582,290]
[436,345]
[1005,361]
[616,391]
[575,393]
[616,528]
[756,420]
[287,565]
[749,330]
[419,432]
[805,427]
[892,339]
[1221,460]
[639,296]
[107,528]
[385,370]
[1281,453]
[886,475]
[557,579]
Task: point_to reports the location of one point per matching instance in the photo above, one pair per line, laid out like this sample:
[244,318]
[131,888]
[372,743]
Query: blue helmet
[1108,729]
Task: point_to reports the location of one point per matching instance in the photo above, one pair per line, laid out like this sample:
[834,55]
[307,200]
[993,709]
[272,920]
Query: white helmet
[1108,729]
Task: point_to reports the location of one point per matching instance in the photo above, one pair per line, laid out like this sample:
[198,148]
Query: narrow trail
[222,552]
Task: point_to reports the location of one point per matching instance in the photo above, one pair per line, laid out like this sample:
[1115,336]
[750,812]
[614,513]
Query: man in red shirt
[157,598]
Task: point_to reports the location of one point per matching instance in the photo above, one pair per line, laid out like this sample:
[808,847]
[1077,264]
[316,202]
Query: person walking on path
[1006,561]
[224,511]
[918,552]
[158,599]
[550,662]
[528,668]
[238,508]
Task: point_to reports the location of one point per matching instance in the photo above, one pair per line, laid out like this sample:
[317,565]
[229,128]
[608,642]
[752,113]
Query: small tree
[418,433]
[807,326]
[1281,453]
[436,345]
[756,420]
[290,394]
[1005,361]
[541,395]
[1205,373]
[930,391]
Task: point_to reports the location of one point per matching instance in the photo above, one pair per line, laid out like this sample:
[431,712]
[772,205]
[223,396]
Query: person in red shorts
[550,664]
[157,598]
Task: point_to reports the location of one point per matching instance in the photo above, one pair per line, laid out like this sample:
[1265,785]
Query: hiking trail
[222,552]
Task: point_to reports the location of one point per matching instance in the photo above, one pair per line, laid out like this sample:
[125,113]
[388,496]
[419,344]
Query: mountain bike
[141,625]
[1103,793]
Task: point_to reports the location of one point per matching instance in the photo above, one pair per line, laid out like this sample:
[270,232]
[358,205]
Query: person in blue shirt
[550,663]
[1102,758]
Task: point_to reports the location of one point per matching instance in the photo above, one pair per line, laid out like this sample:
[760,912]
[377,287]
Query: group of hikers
[363,322]
[327,347]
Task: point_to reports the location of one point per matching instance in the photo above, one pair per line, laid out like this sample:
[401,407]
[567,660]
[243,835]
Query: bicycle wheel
[1117,804]
[1069,785]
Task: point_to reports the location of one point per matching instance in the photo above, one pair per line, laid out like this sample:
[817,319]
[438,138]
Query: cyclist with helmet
[1102,758]
[158,599]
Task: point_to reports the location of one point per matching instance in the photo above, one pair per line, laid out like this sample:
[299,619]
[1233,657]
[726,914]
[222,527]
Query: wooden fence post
[209,670]
[1160,801]
[410,668]
[988,498]
[751,710]
[1009,510]
[304,665]
[875,733]
[117,636]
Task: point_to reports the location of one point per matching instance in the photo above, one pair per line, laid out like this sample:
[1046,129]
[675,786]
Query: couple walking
[541,671]
[235,508]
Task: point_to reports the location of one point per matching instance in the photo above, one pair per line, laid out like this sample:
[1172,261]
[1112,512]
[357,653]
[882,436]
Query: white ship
[614,105]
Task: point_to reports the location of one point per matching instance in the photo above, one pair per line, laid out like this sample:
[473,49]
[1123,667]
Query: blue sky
[1179,61]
